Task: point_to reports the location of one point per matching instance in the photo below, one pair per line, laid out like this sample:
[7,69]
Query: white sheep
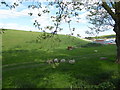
[72,61]
[62,60]
[56,60]
[103,58]
[49,61]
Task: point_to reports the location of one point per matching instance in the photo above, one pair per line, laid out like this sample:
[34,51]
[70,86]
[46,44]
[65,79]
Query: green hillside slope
[14,39]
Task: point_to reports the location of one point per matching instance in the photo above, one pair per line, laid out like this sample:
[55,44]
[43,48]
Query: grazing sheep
[95,50]
[49,61]
[72,61]
[103,58]
[62,60]
[56,60]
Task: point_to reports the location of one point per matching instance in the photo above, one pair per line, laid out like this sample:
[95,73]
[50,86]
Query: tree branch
[112,3]
[108,9]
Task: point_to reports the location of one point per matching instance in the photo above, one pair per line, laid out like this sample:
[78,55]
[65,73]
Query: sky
[19,19]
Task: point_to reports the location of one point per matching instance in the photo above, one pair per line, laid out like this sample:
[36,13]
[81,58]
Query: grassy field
[24,64]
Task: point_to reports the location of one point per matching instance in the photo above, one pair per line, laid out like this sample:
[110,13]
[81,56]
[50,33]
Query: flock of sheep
[53,61]
[60,61]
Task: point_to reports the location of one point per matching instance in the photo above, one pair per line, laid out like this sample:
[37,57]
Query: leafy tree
[104,14]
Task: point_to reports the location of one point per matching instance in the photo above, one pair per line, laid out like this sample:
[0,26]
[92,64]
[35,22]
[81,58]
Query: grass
[23,63]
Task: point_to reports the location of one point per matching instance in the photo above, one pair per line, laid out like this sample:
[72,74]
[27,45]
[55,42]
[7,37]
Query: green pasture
[24,62]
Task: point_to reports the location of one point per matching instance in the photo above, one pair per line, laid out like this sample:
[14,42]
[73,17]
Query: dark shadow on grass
[18,56]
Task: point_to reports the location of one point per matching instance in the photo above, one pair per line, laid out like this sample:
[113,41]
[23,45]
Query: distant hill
[107,36]
[102,37]
[17,39]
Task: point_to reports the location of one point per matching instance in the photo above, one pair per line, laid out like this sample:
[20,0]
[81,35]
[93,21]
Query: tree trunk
[117,30]
[118,46]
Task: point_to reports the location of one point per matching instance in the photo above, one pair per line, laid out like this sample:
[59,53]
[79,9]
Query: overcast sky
[19,19]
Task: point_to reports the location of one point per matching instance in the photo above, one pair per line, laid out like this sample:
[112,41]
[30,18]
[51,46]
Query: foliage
[99,18]
[67,12]
[2,31]
[64,12]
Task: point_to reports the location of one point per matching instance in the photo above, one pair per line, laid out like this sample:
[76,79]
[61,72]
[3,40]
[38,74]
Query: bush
[92,45]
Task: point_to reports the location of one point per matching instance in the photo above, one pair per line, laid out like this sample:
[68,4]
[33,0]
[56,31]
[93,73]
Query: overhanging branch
[108,9]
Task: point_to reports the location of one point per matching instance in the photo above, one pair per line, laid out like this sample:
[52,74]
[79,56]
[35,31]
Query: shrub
[92,45]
